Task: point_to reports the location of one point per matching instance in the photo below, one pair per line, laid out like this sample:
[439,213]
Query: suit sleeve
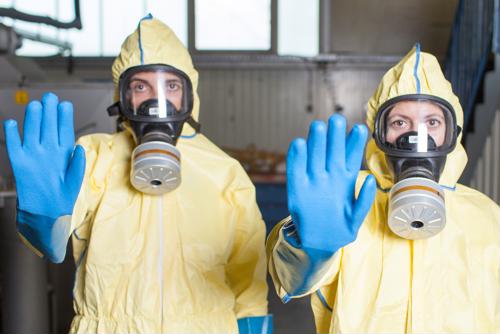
[246,267]
[296,272]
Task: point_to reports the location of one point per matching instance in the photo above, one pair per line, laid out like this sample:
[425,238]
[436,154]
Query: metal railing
[474,37]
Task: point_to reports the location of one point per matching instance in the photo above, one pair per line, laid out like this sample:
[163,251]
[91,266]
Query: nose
[415,126]
[154,91]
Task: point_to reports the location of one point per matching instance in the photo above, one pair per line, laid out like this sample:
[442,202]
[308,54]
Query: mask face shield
[416,126]
[155,94]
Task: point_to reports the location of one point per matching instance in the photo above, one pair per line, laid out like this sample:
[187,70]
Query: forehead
[153,76]
[414,108]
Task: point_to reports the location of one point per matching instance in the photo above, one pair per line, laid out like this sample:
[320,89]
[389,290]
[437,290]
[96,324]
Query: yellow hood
[417,72]
[153,42]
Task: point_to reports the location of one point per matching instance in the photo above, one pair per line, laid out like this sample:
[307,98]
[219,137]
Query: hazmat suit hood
[423,69]
[153,42]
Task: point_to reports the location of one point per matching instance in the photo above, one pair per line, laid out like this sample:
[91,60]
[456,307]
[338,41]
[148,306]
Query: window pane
[41,8]
[66,13]
[6,3]
[66,10]
[233,25]
[102,33]
[86,42]
[119,24]
[173,13]
[298,27]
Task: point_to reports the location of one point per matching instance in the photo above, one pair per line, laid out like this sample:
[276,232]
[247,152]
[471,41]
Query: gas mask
[416,132]
[155,102]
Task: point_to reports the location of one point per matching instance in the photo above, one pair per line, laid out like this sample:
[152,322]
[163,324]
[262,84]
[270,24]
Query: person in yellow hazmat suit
[167,235]
[401,248]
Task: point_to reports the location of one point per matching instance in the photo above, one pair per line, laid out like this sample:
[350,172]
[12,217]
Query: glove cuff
[46,236]
[301,270]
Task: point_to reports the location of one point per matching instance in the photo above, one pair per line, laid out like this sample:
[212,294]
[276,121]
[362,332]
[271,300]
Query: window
[283,27]
[228,25]
[298,27]
[48,8]
[104,27]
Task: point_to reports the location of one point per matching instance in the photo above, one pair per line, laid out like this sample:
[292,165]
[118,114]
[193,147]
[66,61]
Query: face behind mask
[156,101]
[416,132]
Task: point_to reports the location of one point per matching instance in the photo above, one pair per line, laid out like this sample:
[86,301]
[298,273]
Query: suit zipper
[160,257]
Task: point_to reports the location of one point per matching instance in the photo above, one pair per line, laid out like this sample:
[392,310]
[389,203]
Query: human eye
[433,123]
[173,86]
[139,87]
[398,123]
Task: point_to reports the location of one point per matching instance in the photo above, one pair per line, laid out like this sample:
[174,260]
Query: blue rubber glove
[321,179]
[48,171]
[256,325]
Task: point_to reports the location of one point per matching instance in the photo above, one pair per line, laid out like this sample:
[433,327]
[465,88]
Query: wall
[486,177]
[483,143]
[391,26]
[90,102]
[268,107]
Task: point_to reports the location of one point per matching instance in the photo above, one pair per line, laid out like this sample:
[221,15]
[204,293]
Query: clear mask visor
[156,94]
[418,126]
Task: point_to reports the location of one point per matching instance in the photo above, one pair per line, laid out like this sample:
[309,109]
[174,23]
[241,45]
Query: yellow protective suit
[192,260]
[383,283]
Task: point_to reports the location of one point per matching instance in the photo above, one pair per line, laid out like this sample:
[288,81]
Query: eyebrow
[441,116]
[140,80]
[173,80]
[147,82]
[390,117]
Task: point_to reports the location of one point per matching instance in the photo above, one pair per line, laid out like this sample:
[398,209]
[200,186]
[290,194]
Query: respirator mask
[155,102]
[416,132]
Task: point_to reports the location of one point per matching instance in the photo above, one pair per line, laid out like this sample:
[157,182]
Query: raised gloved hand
[48,171]
[321,178]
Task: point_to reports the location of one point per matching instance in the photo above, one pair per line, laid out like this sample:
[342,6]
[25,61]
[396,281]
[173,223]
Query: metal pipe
[222,61]
[37,37]
[273,59]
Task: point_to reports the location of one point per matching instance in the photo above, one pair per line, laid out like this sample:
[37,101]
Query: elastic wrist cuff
[46,235]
